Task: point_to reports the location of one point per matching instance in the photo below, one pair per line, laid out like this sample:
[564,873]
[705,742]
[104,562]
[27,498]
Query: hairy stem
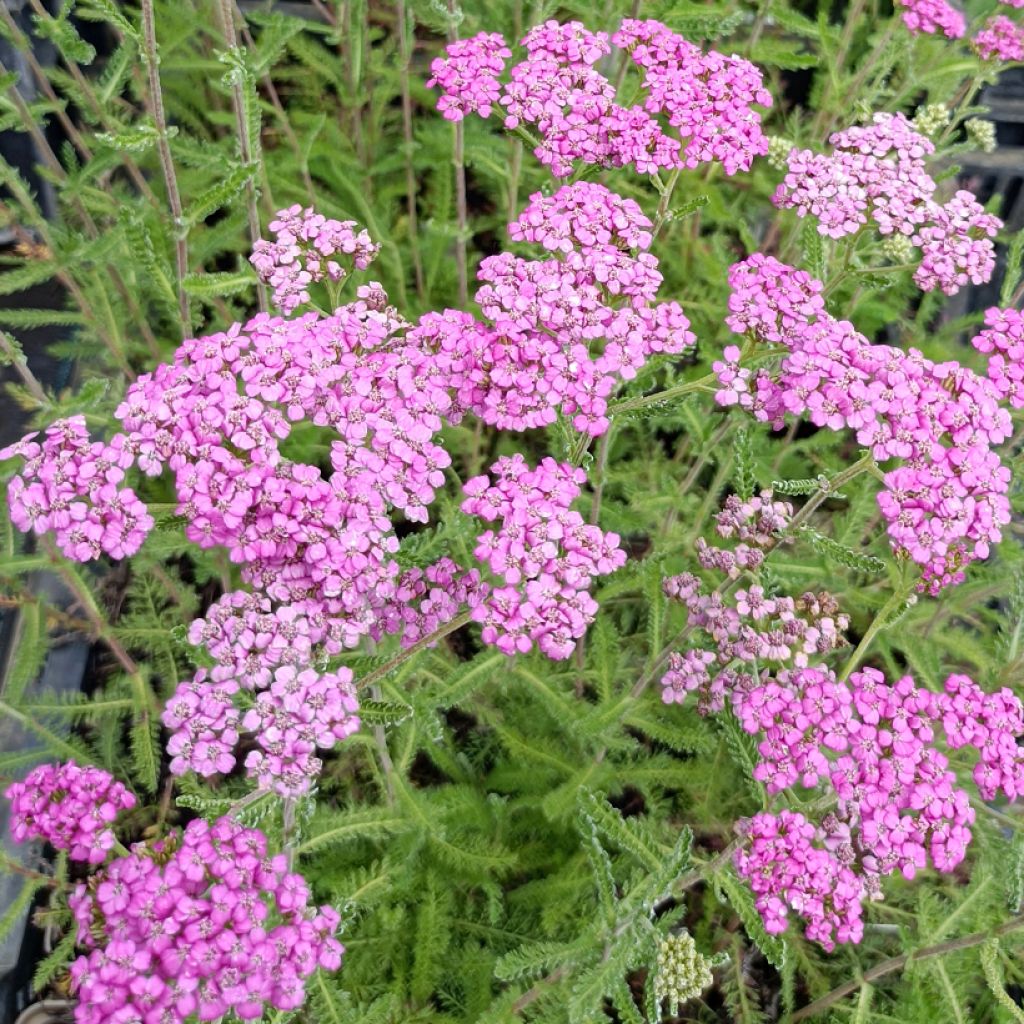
[897,963]
[21,368]
[248,144]
[406,41]
[461,205]
[151,58]
[399,659]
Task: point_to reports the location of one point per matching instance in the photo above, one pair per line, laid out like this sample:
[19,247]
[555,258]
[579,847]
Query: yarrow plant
[705,98]
[586,585]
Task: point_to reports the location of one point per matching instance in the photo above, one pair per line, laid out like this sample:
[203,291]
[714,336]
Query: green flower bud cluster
[898,249]
[778,152]
[682,973]
[932,119]
[981,134]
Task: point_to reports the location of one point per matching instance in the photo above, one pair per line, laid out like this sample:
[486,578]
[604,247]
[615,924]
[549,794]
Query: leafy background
[506,840]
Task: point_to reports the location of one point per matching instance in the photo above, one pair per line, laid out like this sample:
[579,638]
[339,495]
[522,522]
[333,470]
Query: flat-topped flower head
[546,554]
[70,806]
[694,106]
[308,248]
[200,925]
[946,502]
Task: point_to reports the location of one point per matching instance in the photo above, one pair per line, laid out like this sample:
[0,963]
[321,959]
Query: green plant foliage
[507,839]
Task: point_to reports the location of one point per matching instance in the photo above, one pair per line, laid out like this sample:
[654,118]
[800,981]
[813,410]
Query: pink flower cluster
[1003,338]
[297,709]
[947,500]
[426,599]
[872,745]
[1001,39]
[549,315]
[197,926]
[991,723]
[786,870]
[932,16]
[557,90]
[214,417]
[879,171]
[750,628]
[71,487]
[468,75]
[69,806]
[546,554]
[306,249]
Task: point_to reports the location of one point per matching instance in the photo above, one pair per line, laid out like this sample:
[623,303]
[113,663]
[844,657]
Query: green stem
[399,659]
[897,963]
[896,600]
[151,59]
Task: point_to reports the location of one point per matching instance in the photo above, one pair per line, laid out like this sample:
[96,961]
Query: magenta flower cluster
[931,17]
[545,553]
[428,598]
[197,926]
[879,171]
[71,807]
[872,746]
[297,709]
[946,501]
[72,487]
[306,249]
[469,74]
[875,746]
[786,870]
[1003,341]
[1000,40]
[595,291]
[556,90]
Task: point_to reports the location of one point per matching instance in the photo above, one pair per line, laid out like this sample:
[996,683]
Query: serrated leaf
[218,285]
[40,318]
[741,900]
[780,55]
[383,712]
[135,139]
[628,836]
[224,192]
[859,560]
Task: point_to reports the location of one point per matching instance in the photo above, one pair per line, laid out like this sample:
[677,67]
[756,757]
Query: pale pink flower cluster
[933,16]
[1003,340]
[297,709]
[946,502]
[750,628]
[707,98]
[72,488]
[878,171]
[307,248]
[1001,39]
[468,75]
[195,927]
[753,630]
[71,807]
[545,553]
